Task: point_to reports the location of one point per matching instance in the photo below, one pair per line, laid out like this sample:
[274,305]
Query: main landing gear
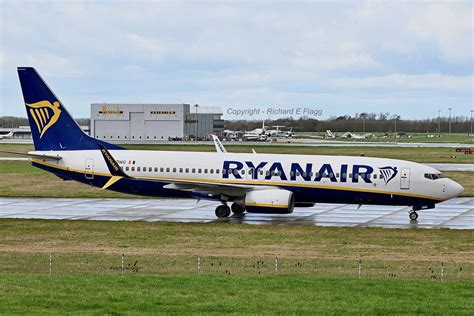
[223,210]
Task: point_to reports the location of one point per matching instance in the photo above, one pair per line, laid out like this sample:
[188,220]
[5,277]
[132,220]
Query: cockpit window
[434,176]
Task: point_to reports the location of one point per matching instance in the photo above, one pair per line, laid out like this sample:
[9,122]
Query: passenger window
[180,170]
[261,172]
[211,170]
[350,175]
[126,168]
[337,175]
[138,168]
[174,170]
[193,171]
[242,172]
[199,170]
[167,169]
[187,170]
[267,173]
[236,173]
[133,168]
[224,171]
[161,169]
[250,171]
[150,169]
[156,169]
[217,171]
[375,176]
[205,170]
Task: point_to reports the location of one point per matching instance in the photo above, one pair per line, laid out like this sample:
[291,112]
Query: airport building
[153,122]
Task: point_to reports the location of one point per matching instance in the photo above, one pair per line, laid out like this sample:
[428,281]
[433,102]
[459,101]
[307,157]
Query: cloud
[337,53]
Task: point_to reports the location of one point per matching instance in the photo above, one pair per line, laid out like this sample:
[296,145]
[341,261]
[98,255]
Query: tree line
[363,122]
[369,123]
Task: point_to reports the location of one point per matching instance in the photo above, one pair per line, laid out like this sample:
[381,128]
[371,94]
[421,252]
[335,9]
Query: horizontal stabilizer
[30,155]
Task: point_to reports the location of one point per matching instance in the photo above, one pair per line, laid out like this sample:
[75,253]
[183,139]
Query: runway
[454,214]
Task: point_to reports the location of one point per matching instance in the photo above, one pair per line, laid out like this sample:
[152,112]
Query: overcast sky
[409,58]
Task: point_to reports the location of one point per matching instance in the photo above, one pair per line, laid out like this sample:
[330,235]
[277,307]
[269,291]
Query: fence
[78,264]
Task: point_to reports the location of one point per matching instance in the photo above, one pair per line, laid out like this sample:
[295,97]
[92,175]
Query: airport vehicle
[9,135]
[256,183]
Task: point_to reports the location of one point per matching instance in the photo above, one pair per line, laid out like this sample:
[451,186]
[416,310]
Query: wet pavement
[455,214]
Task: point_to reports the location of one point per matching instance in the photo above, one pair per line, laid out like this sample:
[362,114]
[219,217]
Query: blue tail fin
[52,126]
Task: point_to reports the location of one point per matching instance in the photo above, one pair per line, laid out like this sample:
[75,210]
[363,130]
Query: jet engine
[271,201]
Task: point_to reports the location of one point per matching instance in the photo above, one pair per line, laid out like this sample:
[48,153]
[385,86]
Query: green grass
[415,138]
[95,247]
[217,295]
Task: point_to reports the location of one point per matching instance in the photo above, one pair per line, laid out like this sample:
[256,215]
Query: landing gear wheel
[237,209]
[413,215]
[222,211]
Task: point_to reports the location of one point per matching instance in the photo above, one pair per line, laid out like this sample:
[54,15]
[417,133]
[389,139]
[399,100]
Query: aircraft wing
[212,188]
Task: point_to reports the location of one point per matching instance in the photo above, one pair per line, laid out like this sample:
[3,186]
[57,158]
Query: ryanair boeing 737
[256,183]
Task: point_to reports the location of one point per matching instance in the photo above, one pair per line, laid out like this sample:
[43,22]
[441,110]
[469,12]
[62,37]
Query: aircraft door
[89,169]
[405,179]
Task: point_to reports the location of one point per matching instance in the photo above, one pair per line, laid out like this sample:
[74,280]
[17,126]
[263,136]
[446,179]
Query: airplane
[349,135]
[258,134]
[9,135]
[217,143]
[253,183]
[279,133]
[330,134]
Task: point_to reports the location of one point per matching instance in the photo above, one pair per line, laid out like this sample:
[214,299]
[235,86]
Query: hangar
[153,122]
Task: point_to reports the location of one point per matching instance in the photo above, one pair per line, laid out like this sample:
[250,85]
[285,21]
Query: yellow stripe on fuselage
[247,182]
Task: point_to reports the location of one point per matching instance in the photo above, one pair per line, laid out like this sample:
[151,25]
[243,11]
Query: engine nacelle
[272,201]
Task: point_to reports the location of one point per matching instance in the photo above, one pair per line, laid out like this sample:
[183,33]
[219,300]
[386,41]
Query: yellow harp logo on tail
[44,114]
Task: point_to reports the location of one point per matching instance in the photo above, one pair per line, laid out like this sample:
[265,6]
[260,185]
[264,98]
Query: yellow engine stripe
[267,205]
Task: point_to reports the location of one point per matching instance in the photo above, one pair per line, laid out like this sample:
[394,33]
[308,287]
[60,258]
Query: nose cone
[455,189]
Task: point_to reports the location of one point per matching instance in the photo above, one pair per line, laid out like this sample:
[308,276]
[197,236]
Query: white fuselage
[335,173]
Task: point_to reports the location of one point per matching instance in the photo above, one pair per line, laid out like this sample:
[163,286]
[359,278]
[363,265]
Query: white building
[152,122]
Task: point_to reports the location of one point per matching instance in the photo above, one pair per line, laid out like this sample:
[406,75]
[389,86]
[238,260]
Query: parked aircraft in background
[350,135]
[9,135]
[256,183]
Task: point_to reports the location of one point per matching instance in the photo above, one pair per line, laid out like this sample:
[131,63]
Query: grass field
[317,269]
[217,295]
[415,138]
[95,247]
[420,154]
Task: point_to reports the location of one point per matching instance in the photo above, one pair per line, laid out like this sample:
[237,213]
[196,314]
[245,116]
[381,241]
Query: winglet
[217,143]
[114,167]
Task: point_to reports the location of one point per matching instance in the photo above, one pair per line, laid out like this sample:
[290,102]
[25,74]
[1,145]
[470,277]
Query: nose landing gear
[413,215]
[413,212]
